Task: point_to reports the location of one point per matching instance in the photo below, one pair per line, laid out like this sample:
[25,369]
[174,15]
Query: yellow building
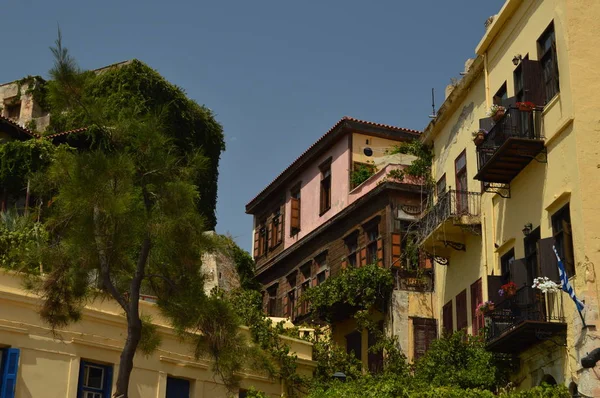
[530,184]
[79,361]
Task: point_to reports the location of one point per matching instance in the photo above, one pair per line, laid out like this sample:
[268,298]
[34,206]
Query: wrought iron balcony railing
[458,206]
[512,142]
[527,306]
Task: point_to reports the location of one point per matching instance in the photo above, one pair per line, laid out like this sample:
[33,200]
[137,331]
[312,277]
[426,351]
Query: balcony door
[460,165]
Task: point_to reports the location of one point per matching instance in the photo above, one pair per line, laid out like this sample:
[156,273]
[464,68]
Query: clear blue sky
[278,74]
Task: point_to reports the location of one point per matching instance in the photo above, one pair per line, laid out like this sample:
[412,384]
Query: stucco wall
[49,364]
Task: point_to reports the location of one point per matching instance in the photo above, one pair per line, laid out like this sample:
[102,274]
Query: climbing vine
[420,168]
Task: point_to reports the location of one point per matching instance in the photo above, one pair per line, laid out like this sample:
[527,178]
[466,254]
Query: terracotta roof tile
[19,127]
[79,130]
[316,143]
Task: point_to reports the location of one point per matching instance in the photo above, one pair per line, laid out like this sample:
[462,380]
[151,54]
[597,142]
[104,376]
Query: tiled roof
[22,129]
[310,149]
[79,130]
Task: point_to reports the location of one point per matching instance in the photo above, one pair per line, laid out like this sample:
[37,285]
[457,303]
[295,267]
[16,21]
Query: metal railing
[451,204]
[528,304]
[415,280]
[514,124]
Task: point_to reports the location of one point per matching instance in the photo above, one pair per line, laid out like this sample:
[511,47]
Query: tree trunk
[134,334]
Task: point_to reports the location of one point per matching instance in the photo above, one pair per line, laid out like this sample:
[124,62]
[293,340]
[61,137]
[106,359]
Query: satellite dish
[368,151]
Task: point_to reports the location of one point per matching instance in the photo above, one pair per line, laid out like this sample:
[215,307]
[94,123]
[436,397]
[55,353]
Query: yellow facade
[569,174]
[49,363]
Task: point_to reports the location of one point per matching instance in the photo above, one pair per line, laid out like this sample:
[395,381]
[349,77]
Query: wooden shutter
[10,361]
[280,225]
[285,303]
[494,283]
[396,250]
[380,252]
[295,214]
[547,259]
[425,260]
[476,299]
[424,333]
[461,310]
[533,84]
[518,272]
[270,234]
[486,123]
[344,264]
[257,242]
[363,257]
[447,318]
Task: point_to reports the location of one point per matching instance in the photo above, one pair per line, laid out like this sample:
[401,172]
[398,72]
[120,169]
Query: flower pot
[526,106]
[498,115]
[479,138]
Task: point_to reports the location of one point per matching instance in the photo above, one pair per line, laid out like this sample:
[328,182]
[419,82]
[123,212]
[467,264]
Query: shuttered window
[563,238]
[354,344]
[549,61]
[372,237]
[476,299]
[448,323]
[325,199]
[95,380]
[396,250]
[272,303]
[9,367]
[295,210]
[505,262]
[424,333]
[177,388]
[461,310]
[351,243]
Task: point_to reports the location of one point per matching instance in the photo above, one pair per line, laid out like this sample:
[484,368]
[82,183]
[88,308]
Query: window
[477,321]
[260,239]
[563,238]
[321,268]
[461,310]
[372,238]
[325,202]
[305,272]
[440,186]
[95,380]
[354,344]
[462,197]
[447,318]
[500,95]
[352,248]
[531,256]
[275,229]
[13,110]
[321,277]
[374,358]
[9,366]
[289,305]
[295,210]
[424,333]
[177,388]
[547,56]
[505,262]
[272,300]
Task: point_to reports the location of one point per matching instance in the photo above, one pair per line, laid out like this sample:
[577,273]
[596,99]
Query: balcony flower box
[496,112]
[485,308]
[479,137]
[526,106]
[508,290]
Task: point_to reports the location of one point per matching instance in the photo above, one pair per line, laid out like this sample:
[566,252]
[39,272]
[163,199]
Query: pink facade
[310,191]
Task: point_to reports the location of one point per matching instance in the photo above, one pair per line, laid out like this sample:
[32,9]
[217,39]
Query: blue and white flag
[564,279]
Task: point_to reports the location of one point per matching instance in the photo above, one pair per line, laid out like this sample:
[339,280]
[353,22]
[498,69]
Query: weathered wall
[49,365]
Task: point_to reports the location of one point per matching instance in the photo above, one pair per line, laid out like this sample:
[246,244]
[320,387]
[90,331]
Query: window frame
[505,264]
[563,215]
[105,390]
[351,244]
[325,187]
[548,55]
[295,195]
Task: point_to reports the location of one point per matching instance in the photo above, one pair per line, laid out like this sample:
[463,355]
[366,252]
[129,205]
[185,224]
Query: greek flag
[564,279]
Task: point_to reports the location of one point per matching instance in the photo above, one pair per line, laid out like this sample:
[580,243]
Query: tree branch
[105,266]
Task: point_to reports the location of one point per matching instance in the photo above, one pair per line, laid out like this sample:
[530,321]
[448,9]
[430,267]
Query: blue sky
[278,74]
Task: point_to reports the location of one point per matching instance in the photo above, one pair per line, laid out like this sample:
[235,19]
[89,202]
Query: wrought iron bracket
[501,189]
[441,260]
[455,245]
[542,157]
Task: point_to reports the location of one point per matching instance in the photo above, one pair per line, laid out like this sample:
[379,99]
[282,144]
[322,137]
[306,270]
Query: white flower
[546,285]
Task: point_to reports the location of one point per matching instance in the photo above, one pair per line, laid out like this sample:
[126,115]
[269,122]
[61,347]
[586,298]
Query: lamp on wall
[516,59]
[527,229]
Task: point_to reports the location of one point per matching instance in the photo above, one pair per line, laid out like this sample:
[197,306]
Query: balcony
[525,319]
[445,226]
[511,143]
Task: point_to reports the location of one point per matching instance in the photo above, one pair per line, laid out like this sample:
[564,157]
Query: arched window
[548,379]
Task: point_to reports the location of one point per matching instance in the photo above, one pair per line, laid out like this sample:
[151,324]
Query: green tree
[125,217]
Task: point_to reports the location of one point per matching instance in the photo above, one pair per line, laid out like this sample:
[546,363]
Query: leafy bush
[361,173]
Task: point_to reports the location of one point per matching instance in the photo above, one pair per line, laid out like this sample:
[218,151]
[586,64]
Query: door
[462,205]
[177,388]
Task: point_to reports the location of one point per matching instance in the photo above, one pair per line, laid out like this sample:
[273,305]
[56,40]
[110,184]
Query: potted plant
[496,112]
[526,106]
[546,285]
[479,136]
[509,289]
[485,308]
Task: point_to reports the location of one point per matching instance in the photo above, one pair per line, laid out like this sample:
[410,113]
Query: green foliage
[420,168]
[37,87]
[20,242]
[357,288]
[466,364]
[361,173]
[19,160]
[331,358]
[244,263]
[150,340]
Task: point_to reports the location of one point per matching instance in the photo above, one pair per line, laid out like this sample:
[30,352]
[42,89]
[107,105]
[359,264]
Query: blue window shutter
[177,388]
[108,373]
[10,366]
